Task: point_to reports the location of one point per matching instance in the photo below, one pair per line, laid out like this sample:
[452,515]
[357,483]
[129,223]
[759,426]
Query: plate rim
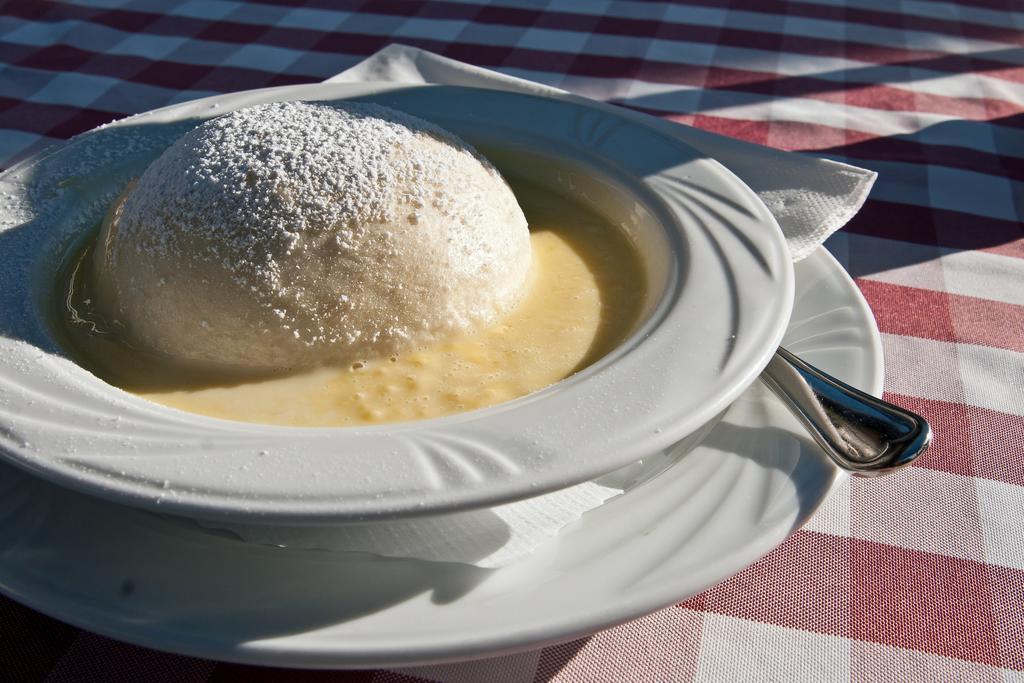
[282,651]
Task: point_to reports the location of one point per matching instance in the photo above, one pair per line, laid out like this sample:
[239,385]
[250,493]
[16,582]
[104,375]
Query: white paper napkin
[811,198]
[488,538]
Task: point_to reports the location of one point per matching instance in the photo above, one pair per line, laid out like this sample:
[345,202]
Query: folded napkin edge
[805,229]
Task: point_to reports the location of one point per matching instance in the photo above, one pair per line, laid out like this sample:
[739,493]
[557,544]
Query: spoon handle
[862,434]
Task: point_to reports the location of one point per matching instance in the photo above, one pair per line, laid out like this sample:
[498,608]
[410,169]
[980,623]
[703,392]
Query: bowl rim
[622,408]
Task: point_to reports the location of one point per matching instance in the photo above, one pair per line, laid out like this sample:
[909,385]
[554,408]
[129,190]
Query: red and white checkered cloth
[918,576]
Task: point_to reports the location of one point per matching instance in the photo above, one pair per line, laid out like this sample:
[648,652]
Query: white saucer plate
[168,584]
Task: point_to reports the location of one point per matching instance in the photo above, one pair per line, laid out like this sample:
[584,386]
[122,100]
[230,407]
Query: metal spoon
[862,434]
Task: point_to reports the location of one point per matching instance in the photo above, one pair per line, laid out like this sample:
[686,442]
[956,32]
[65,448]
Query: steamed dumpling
[294,233]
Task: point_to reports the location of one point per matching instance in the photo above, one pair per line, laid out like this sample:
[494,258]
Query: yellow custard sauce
[585,297]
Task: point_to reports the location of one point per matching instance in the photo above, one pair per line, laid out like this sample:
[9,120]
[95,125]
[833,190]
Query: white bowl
[720,295]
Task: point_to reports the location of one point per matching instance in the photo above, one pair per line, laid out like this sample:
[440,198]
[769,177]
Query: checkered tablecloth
[918,576]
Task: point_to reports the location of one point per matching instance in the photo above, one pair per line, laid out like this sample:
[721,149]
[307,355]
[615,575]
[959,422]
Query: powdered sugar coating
[294,233]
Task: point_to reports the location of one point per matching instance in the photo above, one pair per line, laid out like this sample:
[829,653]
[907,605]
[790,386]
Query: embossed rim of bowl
[724,305]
